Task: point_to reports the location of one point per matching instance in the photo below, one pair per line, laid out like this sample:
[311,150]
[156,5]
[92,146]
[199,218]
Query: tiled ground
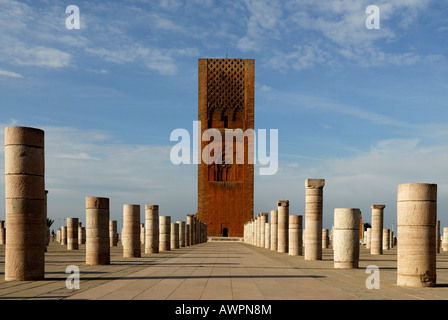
[218,271]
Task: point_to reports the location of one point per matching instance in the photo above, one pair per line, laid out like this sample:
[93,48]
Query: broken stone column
[267,235]
[97,231]
[391,239]
[187,234]
[131,231]
[142,234]
[368,238]
[79,233]
[198,232]
[72,234]
[165,233]
[386,239]
[313,218]
[283,226]
[325,239]
[113,233]
[274,221]
[295,235]
[376,235]
[190,222]
[416,232]
[257,231]
[445,239]
[182,233]
[64,235]
[84,237]
[25,203]
[263,221]
[346,238]
[152,229]
[174,244]
[2,232]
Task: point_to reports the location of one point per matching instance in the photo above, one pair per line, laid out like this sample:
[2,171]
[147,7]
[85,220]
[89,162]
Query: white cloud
[303,57]
[261,24]
[162,61]
[40,57]
[10,74]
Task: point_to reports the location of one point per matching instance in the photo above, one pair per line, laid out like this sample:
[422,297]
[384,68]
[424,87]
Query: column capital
[283,203]
[314,183]
[378,206]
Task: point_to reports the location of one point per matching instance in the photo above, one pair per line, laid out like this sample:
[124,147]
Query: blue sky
[363,109]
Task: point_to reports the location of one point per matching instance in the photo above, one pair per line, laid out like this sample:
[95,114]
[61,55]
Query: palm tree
[49,222]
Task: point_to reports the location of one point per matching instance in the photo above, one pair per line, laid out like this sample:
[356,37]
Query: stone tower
[226,101]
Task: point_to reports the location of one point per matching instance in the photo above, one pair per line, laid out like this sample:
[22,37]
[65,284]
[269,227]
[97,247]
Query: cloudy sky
[365,109]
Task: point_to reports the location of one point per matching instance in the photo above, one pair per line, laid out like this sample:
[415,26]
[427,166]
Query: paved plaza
[218,271]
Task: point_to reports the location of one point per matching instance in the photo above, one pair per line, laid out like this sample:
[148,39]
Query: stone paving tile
[219,271]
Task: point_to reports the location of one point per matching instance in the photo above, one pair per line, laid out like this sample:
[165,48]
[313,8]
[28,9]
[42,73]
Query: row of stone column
[286,232]
[26,238]
[418,238]
[157,234]
[72,235]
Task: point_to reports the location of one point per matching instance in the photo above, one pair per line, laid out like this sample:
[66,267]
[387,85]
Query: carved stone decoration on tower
[226,186]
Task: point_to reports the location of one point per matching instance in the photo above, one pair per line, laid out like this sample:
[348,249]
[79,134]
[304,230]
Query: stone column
[263,221]
[438,237]
[324,238]
[274,221]
[58,235]
[113,233]
[386,235]
[2,233]
[416,232]
[283,226]
[198,232]
[64,235]
[376,236]
[142,234]
[346,238]
[369,237]
[313,218]
[295,235]
[97,231]
[391,239]
[182,233]
[267,235]
[257,231]
[165,233]
[152,229]
[187,234]
[25,204]
[79,233]
[174,244]
[131,231]
[84,236]
[72,234]
[445,239]
[190,221]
